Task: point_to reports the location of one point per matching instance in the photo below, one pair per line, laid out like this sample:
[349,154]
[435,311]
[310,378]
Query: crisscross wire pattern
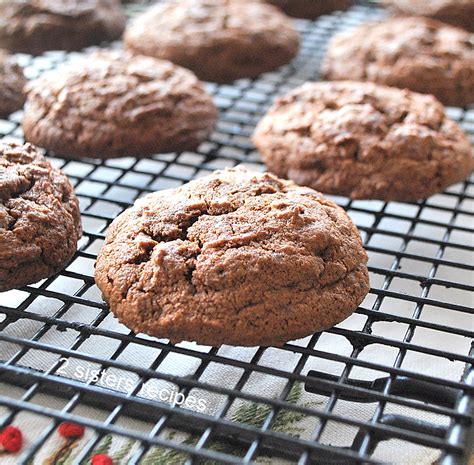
[418,314]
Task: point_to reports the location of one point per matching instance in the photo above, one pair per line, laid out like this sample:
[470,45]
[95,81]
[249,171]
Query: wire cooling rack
[400,369]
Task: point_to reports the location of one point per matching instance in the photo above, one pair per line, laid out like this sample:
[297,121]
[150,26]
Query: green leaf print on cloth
[249,413]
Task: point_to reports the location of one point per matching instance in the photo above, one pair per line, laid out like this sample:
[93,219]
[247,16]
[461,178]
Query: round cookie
[13,81]
[311,8]
[220,40]
[33,26]
[113,104]
[364,141]
[420,54]
[456,12]
[39,217]
[237,257]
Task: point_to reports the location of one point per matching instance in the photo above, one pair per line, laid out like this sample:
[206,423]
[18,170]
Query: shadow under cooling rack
[395,380]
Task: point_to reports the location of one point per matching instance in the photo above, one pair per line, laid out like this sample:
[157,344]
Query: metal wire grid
[433,235]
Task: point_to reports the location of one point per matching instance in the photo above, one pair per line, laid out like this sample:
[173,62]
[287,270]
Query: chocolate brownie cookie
[420,54]
[456,12]
[220,40]
[310,8]
[364,140]
[114,104]
[12,83]
[33,26]
[237,257]
[39,217]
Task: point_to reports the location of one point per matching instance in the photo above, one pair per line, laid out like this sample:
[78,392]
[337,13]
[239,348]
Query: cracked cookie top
[364,140]
[237,257]
[113,104]
[39,217]
[416,53]
[33,26]
[11,89]
[456,12]
[220,40]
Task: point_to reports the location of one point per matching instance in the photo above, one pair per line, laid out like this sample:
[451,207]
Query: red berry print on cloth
[70,430]
[101,459]
[11,439]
